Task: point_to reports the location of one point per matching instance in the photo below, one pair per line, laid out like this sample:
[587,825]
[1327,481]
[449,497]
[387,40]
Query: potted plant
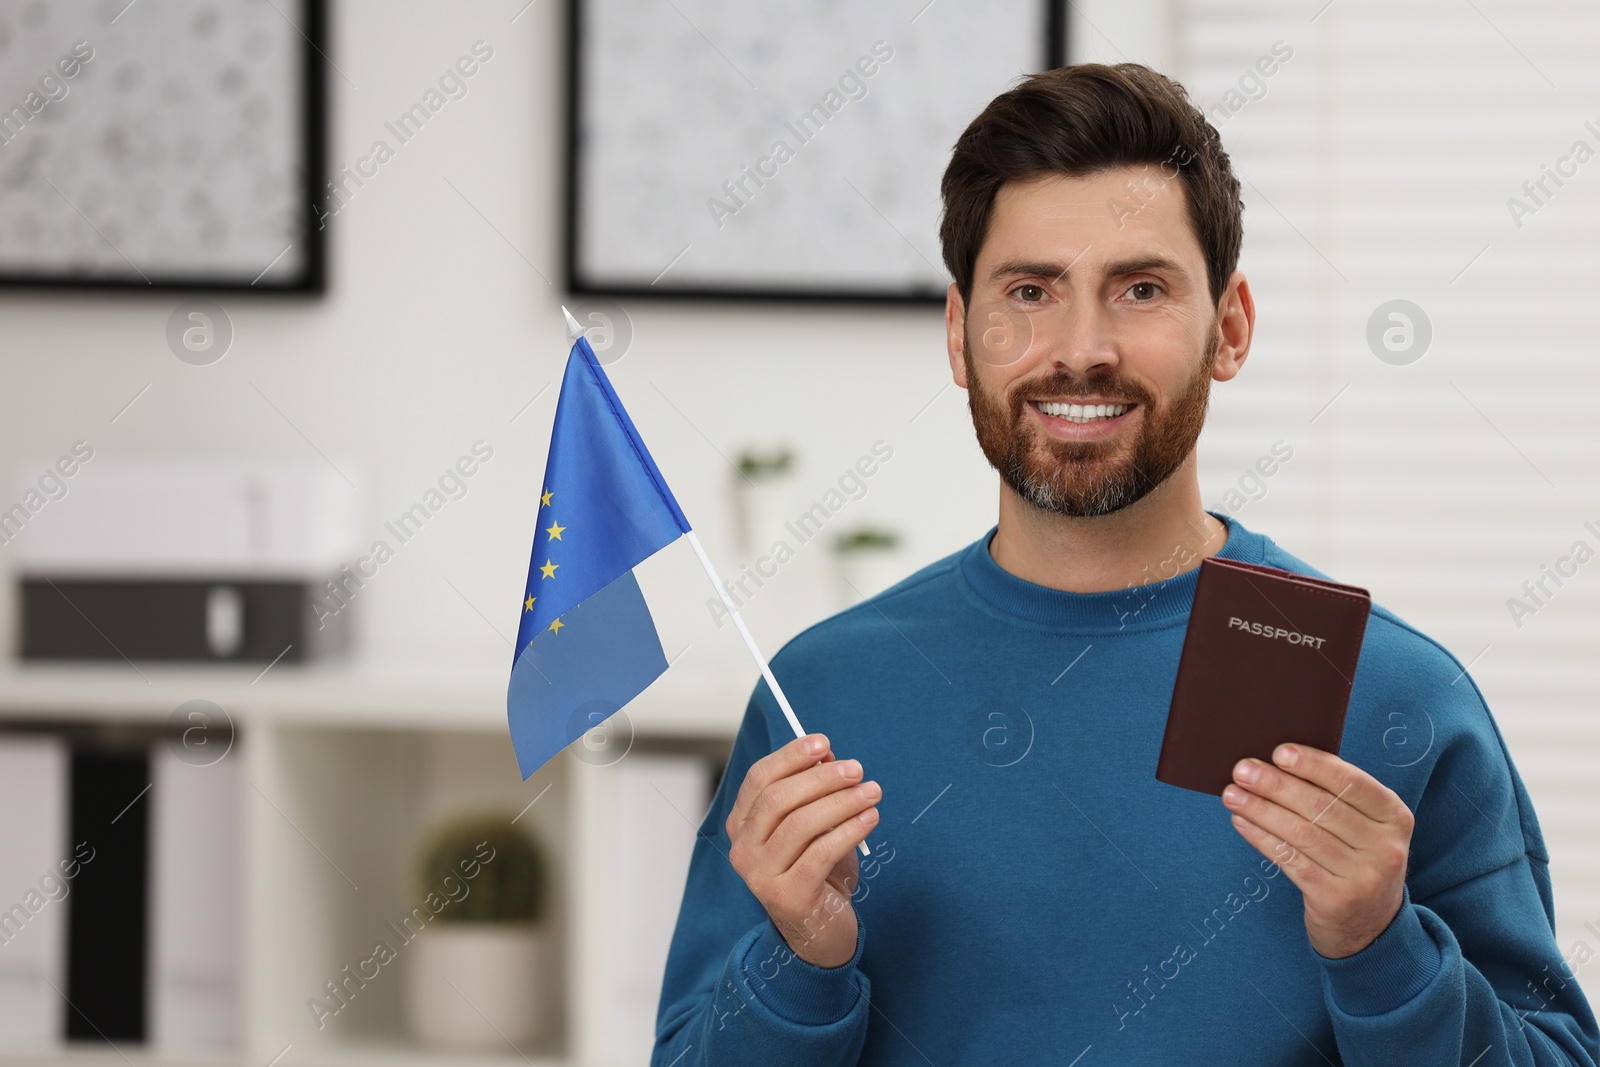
[763,497]
[475,977]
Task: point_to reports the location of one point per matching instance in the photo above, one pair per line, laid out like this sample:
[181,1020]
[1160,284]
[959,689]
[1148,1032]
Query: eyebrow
[1044,269]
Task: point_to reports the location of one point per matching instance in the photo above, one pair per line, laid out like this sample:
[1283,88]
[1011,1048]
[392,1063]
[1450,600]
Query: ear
[955,323]
[1236,324]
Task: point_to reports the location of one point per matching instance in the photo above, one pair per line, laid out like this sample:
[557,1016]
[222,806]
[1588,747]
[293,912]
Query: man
[1034,895]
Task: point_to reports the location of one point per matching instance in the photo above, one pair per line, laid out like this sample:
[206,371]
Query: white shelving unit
[345,769]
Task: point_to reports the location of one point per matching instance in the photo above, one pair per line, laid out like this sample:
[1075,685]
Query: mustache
[1064,385]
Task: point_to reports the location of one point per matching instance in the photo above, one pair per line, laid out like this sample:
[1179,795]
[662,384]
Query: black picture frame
[311,31]
[580,282]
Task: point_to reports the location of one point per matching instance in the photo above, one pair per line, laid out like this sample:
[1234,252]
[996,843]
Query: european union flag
[587,645]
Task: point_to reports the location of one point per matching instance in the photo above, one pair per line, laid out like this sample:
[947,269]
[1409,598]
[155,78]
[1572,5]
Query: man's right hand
[794,828]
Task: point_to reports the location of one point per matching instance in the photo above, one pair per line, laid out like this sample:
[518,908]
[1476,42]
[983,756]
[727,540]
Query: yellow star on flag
[555,531]
[528,606]
[544,501]
[557,625]
[549,569]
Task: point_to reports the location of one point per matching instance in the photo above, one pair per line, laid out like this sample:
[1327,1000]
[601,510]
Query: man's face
[1090,341]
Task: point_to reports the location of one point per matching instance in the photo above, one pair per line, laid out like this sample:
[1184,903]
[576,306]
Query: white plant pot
[764,508]
[476,986]
[865,572]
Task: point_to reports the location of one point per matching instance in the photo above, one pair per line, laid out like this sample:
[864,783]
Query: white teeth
[1083,412]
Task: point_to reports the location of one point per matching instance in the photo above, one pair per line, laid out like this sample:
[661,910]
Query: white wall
[438,328]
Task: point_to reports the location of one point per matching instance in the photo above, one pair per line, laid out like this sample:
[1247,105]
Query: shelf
[344,769]
[90,1056]
[397,1055]
[374,1055]
[467,696]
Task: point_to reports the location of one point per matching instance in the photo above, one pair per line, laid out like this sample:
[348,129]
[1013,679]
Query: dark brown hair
[1077,121]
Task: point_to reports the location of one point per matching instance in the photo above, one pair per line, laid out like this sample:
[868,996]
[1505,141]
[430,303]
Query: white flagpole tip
[574,329]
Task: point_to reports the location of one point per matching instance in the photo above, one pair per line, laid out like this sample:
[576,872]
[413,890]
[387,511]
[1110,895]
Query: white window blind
[1377,163]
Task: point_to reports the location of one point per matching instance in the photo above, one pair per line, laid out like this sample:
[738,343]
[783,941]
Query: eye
[1143,292]
[1029,293]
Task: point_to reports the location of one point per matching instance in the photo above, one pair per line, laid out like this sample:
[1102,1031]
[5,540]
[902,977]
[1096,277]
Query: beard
[1084,479]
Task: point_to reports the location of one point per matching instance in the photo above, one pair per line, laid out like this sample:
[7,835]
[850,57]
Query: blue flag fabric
[586,644]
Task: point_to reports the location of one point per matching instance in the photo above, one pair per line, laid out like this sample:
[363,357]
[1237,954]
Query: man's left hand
[1342,836]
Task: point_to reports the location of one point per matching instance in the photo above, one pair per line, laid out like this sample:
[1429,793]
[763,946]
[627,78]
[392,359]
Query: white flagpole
[574,331]
[750,643]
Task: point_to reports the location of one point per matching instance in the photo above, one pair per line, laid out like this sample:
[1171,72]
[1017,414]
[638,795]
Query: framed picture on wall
[169,144]
[718,148]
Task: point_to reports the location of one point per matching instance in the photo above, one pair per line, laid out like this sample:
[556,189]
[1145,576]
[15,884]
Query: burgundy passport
[1269,657]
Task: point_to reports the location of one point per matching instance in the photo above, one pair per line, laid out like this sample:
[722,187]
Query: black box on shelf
[186,620]
[186,560]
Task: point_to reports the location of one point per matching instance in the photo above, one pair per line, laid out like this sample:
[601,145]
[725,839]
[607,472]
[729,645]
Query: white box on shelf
[195,897]
[176,518]
[34,774]
[188,561]
[656,806]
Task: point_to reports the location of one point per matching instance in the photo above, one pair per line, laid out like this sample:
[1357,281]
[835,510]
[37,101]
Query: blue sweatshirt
[1035,896]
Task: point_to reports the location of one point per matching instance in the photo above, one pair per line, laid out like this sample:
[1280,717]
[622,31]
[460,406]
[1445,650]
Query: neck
[1164,534]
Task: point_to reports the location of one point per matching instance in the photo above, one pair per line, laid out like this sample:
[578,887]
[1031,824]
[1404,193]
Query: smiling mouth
[1081,413]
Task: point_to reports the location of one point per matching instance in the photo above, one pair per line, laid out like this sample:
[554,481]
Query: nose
[1080,339]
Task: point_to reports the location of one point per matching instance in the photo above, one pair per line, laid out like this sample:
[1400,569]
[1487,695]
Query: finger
[804,825]
[845,874]
[1349,783]
[796,755]
[1308,875]
[1293,829]
[826,851]
[779,799]
[1308,800]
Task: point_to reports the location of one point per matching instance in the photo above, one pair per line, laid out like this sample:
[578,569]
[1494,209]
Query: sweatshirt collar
[1145,606]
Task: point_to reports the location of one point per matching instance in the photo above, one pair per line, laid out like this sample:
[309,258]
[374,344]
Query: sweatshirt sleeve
[1468,972]
[733,993]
